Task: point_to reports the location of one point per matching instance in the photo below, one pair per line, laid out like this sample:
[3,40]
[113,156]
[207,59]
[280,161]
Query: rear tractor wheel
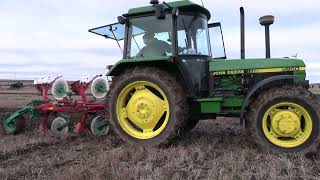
[148,106]
[285,119]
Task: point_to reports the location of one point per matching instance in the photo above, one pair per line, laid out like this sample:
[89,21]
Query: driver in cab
[154,47]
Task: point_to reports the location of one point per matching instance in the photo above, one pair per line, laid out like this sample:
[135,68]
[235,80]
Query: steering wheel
[188,51]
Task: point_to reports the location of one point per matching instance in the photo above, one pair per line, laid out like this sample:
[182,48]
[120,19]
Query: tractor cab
[178,30]
[170,29]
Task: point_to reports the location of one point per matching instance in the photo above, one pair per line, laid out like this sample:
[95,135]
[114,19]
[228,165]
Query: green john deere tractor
[174,72]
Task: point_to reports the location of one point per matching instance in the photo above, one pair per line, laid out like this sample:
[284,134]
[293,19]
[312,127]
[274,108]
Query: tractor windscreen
[113,31]
[193,35]
[149,36]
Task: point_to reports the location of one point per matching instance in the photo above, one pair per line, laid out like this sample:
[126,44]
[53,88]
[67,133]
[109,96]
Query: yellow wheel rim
[287,124]
[142,110]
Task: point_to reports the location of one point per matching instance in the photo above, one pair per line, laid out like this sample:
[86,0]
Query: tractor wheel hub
[143,110]
[286,123]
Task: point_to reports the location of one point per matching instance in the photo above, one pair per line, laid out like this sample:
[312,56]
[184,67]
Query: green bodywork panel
[233,102]
[120,64]
[216,104]
[300,75]
[239,64]
[253,66]
[210,105]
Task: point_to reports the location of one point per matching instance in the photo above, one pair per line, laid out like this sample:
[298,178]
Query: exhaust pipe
[242,29]
[153,2]
[267,21]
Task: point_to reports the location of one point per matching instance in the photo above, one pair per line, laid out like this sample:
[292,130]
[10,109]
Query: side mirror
[122,20]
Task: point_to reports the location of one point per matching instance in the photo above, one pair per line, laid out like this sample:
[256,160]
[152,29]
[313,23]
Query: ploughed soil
[215,149]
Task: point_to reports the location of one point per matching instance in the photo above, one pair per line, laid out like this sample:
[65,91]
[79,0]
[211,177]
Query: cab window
[149,36]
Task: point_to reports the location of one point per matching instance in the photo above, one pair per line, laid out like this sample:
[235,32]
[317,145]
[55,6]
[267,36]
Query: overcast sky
[41,38]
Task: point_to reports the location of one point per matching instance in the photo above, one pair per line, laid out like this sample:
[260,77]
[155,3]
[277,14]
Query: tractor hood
[237,66]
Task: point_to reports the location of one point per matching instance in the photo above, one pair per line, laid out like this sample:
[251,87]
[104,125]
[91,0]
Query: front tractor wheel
[147,106]
[285,119]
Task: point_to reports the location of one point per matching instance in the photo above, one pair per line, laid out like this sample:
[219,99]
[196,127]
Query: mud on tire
[267,99]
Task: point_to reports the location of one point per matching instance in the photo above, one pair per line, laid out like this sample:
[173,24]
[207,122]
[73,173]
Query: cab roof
[185,5]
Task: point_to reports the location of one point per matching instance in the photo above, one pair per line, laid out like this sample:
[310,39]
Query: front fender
[170,64]
[121,65]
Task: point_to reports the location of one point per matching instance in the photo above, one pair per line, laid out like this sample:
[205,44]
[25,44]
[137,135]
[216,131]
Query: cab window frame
[190,56]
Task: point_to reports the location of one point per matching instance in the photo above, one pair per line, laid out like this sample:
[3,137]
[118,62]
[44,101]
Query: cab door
[216,41]
[193,51]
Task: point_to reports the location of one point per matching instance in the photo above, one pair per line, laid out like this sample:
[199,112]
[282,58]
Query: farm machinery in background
[16,85]
[63,107]
[175,72]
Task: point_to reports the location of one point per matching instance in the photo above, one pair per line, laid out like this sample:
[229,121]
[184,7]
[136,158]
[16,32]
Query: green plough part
[9,121]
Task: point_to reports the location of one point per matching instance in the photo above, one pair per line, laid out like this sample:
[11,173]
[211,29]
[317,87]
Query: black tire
[168,83]
[190,125]
[265,100]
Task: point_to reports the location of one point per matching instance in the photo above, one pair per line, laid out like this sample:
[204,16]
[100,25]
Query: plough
[63,104]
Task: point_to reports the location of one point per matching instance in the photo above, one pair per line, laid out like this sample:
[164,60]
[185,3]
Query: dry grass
[214,150]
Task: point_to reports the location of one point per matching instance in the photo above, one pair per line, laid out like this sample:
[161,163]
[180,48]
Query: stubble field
[215,149]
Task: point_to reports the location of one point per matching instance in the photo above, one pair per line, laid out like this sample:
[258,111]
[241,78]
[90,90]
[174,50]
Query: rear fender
[256,88]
